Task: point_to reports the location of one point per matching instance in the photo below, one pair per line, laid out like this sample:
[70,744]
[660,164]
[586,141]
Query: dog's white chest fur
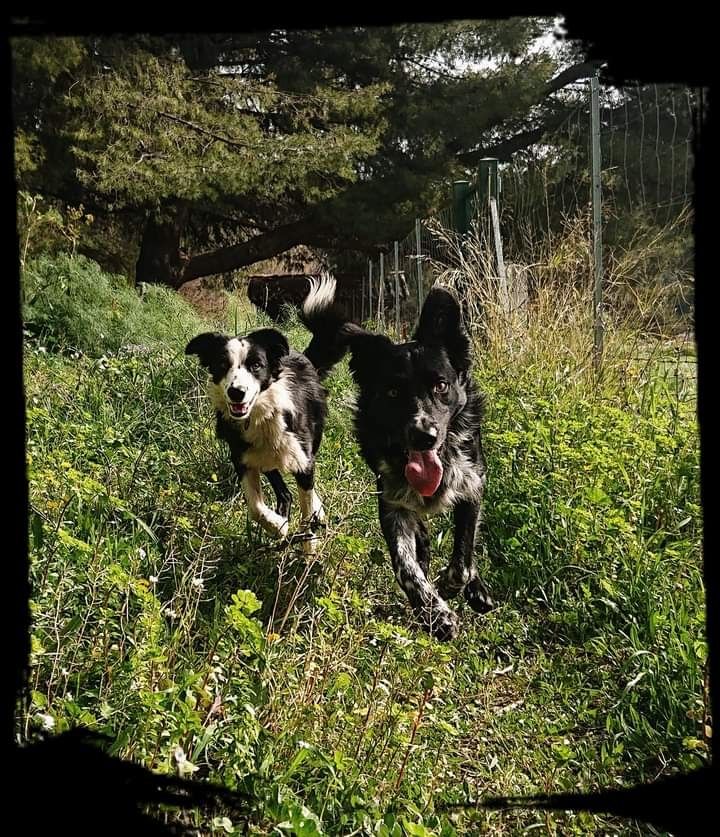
[272,445]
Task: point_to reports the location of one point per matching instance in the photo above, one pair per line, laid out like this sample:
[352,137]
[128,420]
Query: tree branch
[571,74]
[206,132]
[505,149]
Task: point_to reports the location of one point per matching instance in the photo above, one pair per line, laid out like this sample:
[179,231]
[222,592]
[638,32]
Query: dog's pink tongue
[424,471]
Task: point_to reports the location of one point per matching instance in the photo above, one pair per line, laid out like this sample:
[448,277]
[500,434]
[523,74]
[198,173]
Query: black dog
[418,425]
[271,410]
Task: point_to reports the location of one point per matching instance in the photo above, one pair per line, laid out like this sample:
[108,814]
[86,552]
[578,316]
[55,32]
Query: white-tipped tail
[321,296]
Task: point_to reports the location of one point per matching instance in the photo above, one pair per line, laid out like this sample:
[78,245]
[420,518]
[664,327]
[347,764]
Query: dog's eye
[440,387]
[392,393]
[256,367]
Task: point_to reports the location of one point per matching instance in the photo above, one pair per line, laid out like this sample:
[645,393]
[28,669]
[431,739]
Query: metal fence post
[495,218]
[381,291]
[362,301]
[370,271]
[418,247]
[397,290]
[488,179]
[597,221]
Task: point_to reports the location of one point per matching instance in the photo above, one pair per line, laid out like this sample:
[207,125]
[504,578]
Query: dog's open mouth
[239,410]
[424,471]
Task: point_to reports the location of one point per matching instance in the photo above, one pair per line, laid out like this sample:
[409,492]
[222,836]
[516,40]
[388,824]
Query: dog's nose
[420,439]
[236,394]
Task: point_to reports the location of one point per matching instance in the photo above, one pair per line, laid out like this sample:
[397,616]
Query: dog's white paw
[275,525]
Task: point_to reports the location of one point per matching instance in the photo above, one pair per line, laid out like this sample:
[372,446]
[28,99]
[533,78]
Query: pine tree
[227,149]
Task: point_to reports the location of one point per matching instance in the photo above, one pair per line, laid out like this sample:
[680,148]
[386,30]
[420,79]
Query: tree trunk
[160,261]
[248,252]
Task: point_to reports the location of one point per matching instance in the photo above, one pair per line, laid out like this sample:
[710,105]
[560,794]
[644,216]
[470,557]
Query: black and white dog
[271,410]
[417,421]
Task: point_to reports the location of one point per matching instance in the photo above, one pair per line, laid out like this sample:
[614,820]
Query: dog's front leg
[460,575]
[401,530]
[283,496]
[273,523]
[422,547]
[312,514]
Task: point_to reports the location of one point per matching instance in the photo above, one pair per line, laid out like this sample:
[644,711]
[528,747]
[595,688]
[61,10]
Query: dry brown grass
[545,305]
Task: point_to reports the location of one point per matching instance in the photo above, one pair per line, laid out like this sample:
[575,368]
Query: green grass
[163,618]
[70,304]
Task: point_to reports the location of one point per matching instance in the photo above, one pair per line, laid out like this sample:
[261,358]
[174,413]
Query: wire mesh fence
[543,200]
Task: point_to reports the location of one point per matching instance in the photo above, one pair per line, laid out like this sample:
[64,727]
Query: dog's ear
[206,346]
[367,354]
[441,325]
[275,344]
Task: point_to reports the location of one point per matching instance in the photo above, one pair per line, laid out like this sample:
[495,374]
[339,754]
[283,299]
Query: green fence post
[461,220]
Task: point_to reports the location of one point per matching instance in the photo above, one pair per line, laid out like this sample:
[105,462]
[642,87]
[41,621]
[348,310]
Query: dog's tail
[327,322]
